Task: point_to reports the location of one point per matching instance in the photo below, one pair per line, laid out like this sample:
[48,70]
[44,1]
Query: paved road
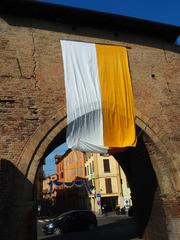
[109,227]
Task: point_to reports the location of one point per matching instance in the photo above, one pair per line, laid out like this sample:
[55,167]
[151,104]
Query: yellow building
[111,188]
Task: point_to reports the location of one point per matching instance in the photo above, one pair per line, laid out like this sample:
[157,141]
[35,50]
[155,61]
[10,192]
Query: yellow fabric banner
[117,96]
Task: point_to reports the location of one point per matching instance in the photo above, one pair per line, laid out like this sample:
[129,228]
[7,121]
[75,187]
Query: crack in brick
[34,60]
[20,70]
[19,66]
[167,83]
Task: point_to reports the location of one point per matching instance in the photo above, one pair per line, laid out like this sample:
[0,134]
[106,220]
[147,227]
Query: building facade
[109,181]
[70,169]
[70,166]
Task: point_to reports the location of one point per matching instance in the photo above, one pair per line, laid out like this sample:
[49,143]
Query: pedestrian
[102,209]
[105,209]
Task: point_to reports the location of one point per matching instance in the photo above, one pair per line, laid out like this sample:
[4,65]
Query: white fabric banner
[84,109]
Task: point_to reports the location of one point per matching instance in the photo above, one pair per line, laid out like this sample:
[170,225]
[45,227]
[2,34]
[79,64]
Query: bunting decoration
[78,183]
[100,107]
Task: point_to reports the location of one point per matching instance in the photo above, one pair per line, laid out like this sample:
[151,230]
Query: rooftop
[59,158]
[83,17]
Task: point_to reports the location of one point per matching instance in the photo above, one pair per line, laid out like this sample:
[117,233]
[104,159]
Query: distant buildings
[103,182]
[70,166]
[70,169]
[49,189]
[110,184]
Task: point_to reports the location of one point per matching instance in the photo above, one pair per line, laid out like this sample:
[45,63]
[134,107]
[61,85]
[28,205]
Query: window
[90,168]
[106,165]
[62,174]
[85,171]
[108,185]
[93,166]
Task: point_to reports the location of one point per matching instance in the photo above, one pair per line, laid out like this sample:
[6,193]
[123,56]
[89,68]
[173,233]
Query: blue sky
[164,11]
[49,168]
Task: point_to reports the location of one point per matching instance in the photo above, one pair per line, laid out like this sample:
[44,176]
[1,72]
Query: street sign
[126,201]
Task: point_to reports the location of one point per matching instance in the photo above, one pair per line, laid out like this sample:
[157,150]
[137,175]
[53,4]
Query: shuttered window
[108,185]
[106,165]
[85,171]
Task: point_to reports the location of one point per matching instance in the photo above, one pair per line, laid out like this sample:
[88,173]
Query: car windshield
[65,214]
[62,215]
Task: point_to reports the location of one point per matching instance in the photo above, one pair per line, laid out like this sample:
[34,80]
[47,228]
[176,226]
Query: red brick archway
[36,147]
[33,116]
[166,199]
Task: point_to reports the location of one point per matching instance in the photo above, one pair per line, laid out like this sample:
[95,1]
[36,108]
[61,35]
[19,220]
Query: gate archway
[33,86]
[52,134]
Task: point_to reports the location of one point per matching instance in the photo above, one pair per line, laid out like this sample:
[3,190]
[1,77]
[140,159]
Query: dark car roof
[69,213]
[73,211]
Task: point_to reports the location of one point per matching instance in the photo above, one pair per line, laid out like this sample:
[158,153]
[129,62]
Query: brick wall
[32,94]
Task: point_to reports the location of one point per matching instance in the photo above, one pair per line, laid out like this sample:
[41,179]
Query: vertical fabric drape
[116,96]
[100,111]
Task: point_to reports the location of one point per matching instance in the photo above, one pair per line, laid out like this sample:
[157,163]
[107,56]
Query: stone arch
[39,145]
[157,151]
[164,217]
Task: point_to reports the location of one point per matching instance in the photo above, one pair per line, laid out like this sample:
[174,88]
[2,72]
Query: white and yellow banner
[100,108]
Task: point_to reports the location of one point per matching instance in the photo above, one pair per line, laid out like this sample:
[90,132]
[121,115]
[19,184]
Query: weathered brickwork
[157,224]
[32,108]
[29,92]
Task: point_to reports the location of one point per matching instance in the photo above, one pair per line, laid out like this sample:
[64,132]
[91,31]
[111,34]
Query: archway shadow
[142,180]
[17,205]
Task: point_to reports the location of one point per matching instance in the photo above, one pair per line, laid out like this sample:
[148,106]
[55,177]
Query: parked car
[71,221]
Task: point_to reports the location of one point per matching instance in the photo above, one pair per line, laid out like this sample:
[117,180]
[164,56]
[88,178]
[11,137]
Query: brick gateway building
[33,111]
